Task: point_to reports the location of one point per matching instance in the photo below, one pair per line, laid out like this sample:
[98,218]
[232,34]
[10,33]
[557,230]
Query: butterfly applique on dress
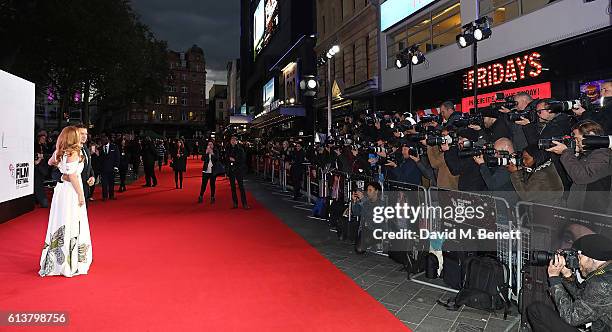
[55,250]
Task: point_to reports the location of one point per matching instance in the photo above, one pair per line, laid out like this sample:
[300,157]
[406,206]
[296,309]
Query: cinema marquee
[512,70]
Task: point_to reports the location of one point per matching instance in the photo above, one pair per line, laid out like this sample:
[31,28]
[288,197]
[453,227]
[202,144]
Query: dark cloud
[213,25]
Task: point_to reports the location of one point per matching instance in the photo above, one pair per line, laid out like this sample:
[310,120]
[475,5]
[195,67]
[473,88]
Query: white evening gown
[67,248]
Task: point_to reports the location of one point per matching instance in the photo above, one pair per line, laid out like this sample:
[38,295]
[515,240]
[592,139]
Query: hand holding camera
[557,266]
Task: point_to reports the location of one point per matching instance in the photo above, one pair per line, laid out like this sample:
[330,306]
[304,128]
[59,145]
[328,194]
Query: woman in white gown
[67,249]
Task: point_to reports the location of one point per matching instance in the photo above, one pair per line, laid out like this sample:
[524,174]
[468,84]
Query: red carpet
[161,262]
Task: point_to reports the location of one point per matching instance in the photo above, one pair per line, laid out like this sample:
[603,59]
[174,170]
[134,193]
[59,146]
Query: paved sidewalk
[412,303]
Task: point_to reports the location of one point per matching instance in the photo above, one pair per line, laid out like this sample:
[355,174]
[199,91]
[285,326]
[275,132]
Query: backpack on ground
[431,266]
[320,209]
[485,286]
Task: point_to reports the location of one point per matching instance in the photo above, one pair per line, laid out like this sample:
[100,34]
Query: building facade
[353,26]
[277,42]
[531,49]
[181,111]
[218,108]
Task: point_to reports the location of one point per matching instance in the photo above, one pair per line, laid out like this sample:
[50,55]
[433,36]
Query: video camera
[542,258]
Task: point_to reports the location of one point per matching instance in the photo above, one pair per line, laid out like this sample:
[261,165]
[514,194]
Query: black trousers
[159,163]
[149,169]
[296,181]
[208,177]
[122,176]
[108,184]
[178,175]
[233,178]
[543,318]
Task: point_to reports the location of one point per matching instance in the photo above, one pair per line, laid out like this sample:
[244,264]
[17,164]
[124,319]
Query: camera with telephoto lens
[547,143]
[503,102]
[472,119]
[504,158]
[543,258]
[377,149]
[473,151]
[416,151]
[592,142]
[569,106]
[440,140]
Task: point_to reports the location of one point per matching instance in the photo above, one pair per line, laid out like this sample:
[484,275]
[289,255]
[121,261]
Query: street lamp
[330,54]
[471,34]
[411,56]
[309,86]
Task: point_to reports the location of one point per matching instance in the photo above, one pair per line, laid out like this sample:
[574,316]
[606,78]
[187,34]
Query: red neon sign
[536,91]
[513,70]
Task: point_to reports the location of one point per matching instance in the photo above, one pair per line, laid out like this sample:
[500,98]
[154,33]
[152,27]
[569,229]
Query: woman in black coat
[179,163]
[211,167]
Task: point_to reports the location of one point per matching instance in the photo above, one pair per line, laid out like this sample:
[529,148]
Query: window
[502,11]
[183,116]
[323,24]
[446,26]
[184,101]
[183,77]
[354,67]
[172,100]
[184,89]
[432,30]
[220,105]
[158,100]
[202,102]
[367,56]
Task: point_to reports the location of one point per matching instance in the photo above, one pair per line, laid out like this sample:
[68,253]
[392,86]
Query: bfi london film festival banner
[16,137]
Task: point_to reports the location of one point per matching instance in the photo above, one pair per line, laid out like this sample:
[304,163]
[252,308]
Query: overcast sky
[211,24]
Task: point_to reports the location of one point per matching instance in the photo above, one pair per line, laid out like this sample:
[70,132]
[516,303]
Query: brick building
[352,25]
[181,111]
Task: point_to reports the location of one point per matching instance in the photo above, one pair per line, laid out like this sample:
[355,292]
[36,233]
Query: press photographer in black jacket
[236,166]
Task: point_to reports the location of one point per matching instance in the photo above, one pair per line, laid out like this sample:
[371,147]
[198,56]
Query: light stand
[410,57]
[472,33]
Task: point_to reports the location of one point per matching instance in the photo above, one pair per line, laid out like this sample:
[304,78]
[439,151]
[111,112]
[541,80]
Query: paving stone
[379,291]
[398,297]
[412,314]
[442,312]
[434,324]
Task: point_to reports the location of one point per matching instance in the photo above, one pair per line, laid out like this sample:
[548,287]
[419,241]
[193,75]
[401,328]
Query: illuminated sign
[265,21]
[512,70]
[394,11]
[290,77]
[268,93]
[536,91]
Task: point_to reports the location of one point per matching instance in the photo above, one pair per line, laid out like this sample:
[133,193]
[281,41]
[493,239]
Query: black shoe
[154,185]
[212,200]
[235,206]
[146,185]
[246,207]
[200,200]
[177,186]
[113,198]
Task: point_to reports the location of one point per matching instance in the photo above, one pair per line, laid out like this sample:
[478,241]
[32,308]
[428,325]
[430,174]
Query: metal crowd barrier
[514,253]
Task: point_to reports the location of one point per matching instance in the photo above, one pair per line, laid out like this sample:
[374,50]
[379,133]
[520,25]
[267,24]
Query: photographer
[405,169]
[444,178]
[522,100]
[589,302]
[538,181]
[449,114]
[495,127]
[604,116]
[363,206]
[550,124]
[497,178]
[590,170]
[466,168]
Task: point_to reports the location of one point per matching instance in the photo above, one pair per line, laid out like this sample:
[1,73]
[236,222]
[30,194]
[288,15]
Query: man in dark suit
[236,166]
[87,176]
[109,164]
[149,156]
